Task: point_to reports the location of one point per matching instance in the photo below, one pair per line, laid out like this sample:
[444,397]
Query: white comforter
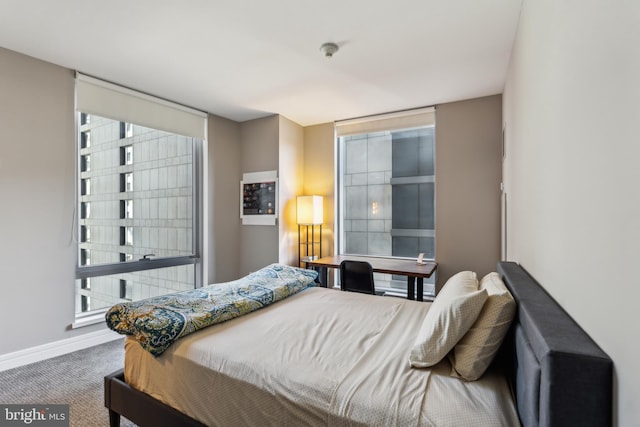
[319,358]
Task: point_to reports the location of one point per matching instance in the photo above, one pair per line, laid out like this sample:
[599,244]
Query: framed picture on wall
[259,198]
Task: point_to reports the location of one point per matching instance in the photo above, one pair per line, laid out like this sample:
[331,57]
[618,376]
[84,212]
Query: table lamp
[309,215]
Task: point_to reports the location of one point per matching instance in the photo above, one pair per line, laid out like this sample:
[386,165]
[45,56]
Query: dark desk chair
[356,276]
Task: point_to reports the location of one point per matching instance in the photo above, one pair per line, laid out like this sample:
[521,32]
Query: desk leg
[420,295]
[411,282]
[322,276]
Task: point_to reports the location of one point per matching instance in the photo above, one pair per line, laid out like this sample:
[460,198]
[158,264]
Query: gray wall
[259,152]
[37,254]
[223,199]
[571,110]
[468,175]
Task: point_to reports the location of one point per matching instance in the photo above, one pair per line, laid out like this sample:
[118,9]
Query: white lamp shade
[309,210]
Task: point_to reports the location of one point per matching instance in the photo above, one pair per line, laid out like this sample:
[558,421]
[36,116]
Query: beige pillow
[450,316]
[475,351]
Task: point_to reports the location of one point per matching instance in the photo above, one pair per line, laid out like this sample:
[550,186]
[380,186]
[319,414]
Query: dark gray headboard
[560,376]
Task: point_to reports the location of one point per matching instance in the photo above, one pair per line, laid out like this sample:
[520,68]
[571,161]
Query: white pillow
[472,356]
[450,316]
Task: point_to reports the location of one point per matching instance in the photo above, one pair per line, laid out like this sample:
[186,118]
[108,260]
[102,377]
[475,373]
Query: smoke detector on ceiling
[328,49]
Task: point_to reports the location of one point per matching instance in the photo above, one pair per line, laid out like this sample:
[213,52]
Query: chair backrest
[356,276]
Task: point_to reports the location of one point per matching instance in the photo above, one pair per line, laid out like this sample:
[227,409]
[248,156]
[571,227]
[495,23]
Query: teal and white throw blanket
[159,321]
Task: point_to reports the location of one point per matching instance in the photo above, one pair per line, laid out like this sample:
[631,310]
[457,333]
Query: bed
[319,357]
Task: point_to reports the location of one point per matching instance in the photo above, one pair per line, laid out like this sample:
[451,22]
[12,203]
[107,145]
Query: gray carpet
[76,379]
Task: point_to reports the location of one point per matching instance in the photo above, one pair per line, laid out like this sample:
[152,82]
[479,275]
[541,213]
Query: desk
[404,267]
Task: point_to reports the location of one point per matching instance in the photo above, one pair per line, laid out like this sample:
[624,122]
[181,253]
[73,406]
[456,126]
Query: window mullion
[133,266]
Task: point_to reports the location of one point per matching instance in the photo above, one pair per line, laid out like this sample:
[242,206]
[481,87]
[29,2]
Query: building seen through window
[387,193]
[131,207]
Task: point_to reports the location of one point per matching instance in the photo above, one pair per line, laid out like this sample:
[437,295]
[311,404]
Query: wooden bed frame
[559,376]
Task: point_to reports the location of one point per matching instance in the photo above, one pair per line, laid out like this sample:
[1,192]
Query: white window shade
[94,96]
[387,122]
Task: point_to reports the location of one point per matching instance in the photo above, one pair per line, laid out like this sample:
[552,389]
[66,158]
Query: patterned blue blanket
[159,321]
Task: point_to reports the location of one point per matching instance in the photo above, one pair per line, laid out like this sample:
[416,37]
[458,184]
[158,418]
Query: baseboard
[57,348]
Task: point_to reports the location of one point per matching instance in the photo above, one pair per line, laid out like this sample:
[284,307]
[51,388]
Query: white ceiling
[244,59]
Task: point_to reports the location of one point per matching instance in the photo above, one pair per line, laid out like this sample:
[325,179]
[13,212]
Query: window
[126,209]
[85,210]
[387,189]
[85,303]
[126,155]
[114,247]
[125,289]
[85,118]
[85,234]
[126,182]
[85,186]
[126,130]
[126,236]
[85,163]
[85,257]
[85,139]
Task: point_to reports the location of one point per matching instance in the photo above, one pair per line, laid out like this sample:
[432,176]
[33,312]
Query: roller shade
[94,96]
[384,122]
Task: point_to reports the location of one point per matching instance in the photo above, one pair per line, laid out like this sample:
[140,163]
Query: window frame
[105,99]
[391,122]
